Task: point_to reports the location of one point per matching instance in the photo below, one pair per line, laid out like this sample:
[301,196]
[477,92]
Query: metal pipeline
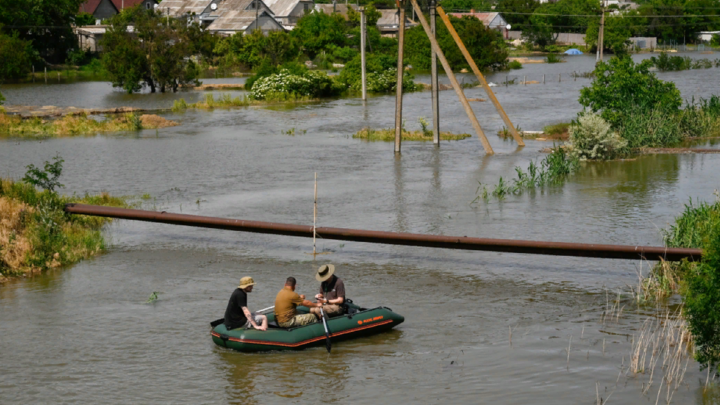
[395,238]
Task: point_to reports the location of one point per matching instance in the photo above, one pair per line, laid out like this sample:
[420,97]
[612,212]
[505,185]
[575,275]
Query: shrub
[16,56]
[665,63]
[515,65]
[46,178]
[592,138]
[309,84]
[621,86]
[654,128]
[701,118]
[386,82]
[553,58]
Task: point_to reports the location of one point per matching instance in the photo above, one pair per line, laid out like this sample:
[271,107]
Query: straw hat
[246,282]
[324,272]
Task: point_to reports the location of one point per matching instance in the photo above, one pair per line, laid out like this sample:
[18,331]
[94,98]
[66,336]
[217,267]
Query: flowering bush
[311,84]
[593,138]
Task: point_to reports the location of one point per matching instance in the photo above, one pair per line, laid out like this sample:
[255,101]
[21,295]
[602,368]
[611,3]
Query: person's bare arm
[250,318]
[336,301]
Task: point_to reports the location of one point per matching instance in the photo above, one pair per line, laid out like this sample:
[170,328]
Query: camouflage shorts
[299,320]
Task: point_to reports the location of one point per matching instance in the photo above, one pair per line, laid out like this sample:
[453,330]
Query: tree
[465,5]
[372,15]
[562,16]
[616,35]
[484,44]
[83,18]
[621,86]
[156,54]
[47,24]
[255,48]
[16,56]
[509,8]
[316,31]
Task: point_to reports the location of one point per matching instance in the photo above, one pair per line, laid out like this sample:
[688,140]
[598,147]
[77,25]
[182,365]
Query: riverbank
[13,126]
[36,235]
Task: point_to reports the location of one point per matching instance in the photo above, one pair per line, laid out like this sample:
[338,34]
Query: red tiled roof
[91,5]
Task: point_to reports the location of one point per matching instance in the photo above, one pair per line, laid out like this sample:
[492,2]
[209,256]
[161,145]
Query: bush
[621,87]
[386,82]
[309,84]
[16,56]
[552,58]
[665,63]
[593,139]
[702,300]
[515,65]
[381,74]
[701,118]
[654,128]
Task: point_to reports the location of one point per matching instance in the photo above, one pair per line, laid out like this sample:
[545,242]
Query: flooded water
[85,333]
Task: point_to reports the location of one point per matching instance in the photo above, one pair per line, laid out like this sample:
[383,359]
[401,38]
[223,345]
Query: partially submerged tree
[16,56]
[155,52]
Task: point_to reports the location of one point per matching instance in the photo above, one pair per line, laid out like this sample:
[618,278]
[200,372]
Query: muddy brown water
[85,333]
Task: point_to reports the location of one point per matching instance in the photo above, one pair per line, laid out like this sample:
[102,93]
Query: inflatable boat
[354,323]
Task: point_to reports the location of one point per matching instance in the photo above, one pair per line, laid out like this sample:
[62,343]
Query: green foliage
[561,16]
[2,99]
[156,54]
[386,82]
[553,58]
[621,86]
[592,138]
[657,127]
[665,63]
[617,33]
[372,15]
[465,5]
[317,31]
[255,49]
[52,44]
[82,18]
[515,65]
[701,118]
[484,44]
[557,129]
[555,168]
[16,56]
[517,12]
[715,40]
[311,84]
[702,299]
[381,74]
[46,178]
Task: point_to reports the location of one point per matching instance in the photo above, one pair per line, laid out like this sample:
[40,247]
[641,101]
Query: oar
[265,309]
[327,334]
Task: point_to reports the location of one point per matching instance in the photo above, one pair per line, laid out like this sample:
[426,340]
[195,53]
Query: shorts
[299,320]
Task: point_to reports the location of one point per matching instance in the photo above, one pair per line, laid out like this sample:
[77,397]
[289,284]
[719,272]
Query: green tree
[372,15]
[617,34]
[156,54]
[253,49]
[702,301]
[465,5]
[83,18]
[621,87]
[317,31]
[510,9]
[484,44]
[47,24]
[562,16]
[16,56]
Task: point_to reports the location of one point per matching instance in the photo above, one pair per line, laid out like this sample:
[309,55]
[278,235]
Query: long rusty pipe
[396,238]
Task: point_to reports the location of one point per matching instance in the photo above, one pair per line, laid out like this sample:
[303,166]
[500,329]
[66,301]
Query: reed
[77,125]
[388,135]
[225,100]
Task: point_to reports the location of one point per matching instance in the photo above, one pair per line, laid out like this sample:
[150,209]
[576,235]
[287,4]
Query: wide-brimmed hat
[324,272]
[246,282]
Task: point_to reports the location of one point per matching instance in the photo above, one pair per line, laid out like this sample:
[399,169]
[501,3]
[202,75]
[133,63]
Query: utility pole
[257,15]
[601,34]
[362,53]
[400,71]
[434,79]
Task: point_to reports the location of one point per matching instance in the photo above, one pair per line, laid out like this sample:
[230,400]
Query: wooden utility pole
[434,80]
[453,80]
[480,77]
[400,71]
[362,52]
[601,33]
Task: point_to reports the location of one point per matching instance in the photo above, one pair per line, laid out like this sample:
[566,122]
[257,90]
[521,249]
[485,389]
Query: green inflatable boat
[355,323]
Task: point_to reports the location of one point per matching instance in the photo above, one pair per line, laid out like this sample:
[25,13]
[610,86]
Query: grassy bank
[35,233]
[76,125]
[227,101]
[388,135]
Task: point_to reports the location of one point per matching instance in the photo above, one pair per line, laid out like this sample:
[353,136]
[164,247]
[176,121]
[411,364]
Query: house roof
[339,8]
[390,18]
[91,5]
[233,16]
[180,7]
[282,8]
[487,18]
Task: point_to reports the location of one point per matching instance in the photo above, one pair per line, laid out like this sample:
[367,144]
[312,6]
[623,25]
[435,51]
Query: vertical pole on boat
[315,216]
[362,52]
[400,71]
[434,79]
[45,74]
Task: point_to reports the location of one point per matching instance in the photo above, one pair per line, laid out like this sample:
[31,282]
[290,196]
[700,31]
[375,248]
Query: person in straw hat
[332,291]
[237,313]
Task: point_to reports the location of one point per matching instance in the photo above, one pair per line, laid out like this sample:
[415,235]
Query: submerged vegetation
[227,101]
[665,63]
[35,233]
[388,135]
[77,125]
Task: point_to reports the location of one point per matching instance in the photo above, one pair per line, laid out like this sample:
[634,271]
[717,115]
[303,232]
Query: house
[288,12]
[335,8]
[389,22]
[226,17]
[104,9]
[89,36]
[707,36]
[490,20]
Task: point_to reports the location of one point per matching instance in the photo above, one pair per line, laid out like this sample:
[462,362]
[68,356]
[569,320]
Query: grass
[557,131]
[36,234]
[388,135]
[554,169]
[76,125]
[227,101]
